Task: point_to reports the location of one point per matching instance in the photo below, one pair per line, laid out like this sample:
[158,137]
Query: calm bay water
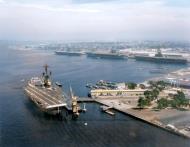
[22,124]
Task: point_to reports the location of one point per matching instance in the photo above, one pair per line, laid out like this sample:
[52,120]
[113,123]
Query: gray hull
[48,101]
[68,53]
[161,59]
[106,56]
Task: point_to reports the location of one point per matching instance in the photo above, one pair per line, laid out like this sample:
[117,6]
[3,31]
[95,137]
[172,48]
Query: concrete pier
[147,117]
[85,99]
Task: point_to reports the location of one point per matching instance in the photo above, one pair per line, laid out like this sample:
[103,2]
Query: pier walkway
[85,99]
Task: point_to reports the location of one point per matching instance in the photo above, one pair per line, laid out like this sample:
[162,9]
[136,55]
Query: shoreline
[155,118]
[130,112]
[136,114]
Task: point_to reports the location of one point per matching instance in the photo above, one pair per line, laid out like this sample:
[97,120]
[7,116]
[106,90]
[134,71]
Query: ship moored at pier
[49,96]
[107,55]
[69,53]
[160,58]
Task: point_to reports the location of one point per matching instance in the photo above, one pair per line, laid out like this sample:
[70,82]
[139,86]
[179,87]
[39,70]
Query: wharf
[148,118]
[110,112]
[147,115]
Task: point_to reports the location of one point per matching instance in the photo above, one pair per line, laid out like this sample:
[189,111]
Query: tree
[180,95]
[160,88]
[148,95]
[162,103]
[152,83]
[142,86]
[142,102]
[155,93]
[179,100]
[131,85]
[173,104]
[161,83]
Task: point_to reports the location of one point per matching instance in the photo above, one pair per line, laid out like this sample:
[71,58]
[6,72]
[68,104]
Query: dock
[107,109]
[148,119]
[85,99]
[110,112]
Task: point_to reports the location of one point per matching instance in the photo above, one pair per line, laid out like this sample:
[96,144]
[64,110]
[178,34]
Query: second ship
[160,58]
[69,53]
[106,55]
[103,54]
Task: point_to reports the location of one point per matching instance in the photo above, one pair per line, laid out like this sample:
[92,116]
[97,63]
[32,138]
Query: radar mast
[46,76]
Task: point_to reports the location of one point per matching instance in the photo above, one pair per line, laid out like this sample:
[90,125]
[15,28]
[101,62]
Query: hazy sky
[95,20]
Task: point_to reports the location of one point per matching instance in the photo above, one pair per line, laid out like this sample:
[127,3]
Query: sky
[95,20]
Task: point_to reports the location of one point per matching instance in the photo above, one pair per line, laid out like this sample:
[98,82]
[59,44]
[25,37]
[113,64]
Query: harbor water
[23,124]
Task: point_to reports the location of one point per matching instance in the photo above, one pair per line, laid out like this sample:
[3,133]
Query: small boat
[105,108]
[84,108]
[58,84]
[158,71]
[89,86]
[110,112]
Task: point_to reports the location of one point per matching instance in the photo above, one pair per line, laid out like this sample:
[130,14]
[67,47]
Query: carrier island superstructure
[49,96]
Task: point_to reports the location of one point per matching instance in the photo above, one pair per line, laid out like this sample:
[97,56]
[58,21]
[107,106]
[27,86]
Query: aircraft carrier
[49,96]
[160,58]
[106,55]
[69,53]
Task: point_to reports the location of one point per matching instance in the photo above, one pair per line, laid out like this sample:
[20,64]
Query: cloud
[2,1]
[65,6]
[55,5]
[110,20]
